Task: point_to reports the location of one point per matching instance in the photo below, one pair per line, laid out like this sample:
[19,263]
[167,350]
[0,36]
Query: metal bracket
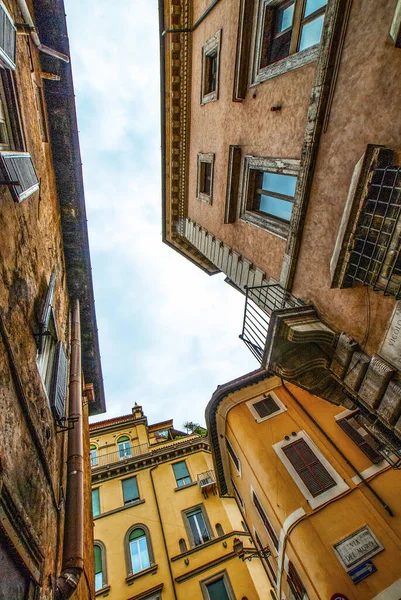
[61,427]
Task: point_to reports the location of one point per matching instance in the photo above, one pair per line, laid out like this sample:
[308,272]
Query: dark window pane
[217,590]
[198,527]
[206,178]
[180,470]
[266,407]
[130,490]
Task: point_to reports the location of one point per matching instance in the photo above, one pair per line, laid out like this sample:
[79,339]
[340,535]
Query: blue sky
[168,332]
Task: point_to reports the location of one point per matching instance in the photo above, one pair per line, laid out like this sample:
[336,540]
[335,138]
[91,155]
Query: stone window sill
[184,487]
[150,570]
[104,591]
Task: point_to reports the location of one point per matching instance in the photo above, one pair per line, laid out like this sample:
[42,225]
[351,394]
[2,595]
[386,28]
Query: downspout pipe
[162,528]
[198,22]
[34,34]
[332,442]
[73,549]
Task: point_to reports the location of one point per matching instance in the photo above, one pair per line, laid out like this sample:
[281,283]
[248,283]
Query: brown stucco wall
[30,248]
[366,110]
[251,124]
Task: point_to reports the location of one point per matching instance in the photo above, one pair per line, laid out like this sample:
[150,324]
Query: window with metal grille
[233,456]
[375,255]
[361,437]
[8,34]
[309,468]
[265,519]
[297,588]
[266,407]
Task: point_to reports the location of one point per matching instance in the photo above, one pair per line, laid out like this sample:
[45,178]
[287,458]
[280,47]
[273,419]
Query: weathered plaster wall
[251,124]
[366,110]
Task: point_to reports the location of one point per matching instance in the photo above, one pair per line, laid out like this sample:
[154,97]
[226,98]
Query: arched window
[183,545]
[93,455]
[124,446]
[219,529]
[99,550]
[138,549]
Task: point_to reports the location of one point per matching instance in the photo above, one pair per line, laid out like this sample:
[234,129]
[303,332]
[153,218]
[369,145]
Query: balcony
[119,456]
[207,482]
[261,303]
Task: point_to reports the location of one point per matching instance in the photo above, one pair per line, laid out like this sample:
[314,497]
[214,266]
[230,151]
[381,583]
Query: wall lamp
[249,553]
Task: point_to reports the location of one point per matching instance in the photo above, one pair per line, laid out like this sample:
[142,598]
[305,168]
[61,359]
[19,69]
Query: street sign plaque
[362,571]
[357,548]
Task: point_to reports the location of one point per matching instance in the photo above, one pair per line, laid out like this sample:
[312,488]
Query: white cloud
[168,332]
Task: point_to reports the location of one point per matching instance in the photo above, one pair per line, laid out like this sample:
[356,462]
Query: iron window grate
[375,258]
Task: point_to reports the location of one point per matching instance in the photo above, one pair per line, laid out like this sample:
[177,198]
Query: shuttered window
[362,438]
[18,173]
[59,383]
[234,457]
[266,407]
[313,474]
[130,490]
[265,520]
[182,476]
[296,586]
[7,38]
[98,567]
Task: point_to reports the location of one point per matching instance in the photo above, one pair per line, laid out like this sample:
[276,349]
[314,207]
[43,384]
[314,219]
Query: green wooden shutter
[98,559]
[95,502]
[180,470]
[59,383]
[137,533]
[8,34]
[314,475]
[130,490]
[351,430]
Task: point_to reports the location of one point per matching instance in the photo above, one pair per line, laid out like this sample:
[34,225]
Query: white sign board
[391,345]
[357,547]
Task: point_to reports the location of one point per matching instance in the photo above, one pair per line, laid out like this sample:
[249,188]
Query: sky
[168,332]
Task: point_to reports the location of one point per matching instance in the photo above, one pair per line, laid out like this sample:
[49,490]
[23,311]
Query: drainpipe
[161,525]
[332,442]
[198,22]
[73,550]
[34,34]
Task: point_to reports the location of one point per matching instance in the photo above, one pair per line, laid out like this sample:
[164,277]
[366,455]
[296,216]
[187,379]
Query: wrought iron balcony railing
[124,454]
[260,303]
[207,482]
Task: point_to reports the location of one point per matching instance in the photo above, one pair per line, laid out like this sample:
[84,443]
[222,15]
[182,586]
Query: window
[314,475]
[361,437]
[210,69]
[217,587]
[8,33]
[268,192]
[233,456]
[297,589]
[130,490]
[240,500]
[93,455]
[95,502]
[100,565]
[124,446]
[233,179]
[285,29]
[182,476]
[197,525]
[264,519]
[204,188]
[267,560]
[266,407]
[139,553]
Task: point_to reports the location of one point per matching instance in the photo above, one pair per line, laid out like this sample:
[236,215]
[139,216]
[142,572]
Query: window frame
[129,502]
[127,548]
[121,441]
[181,478]
[205,158]
[251,406]
[279,166]
[209,49]
[296,58]
[231,452]
[271,532]
[212,579]
[238,496]
[94,460]
[96,489]
[185,512]
[313,501]
[104,565]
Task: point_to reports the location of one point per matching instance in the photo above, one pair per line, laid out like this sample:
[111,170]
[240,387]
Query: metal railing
[260,303]
[206,478]
[126,454]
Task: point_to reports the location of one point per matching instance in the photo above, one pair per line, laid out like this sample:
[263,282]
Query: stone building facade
[161,530]
[280,171]
[50,370]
